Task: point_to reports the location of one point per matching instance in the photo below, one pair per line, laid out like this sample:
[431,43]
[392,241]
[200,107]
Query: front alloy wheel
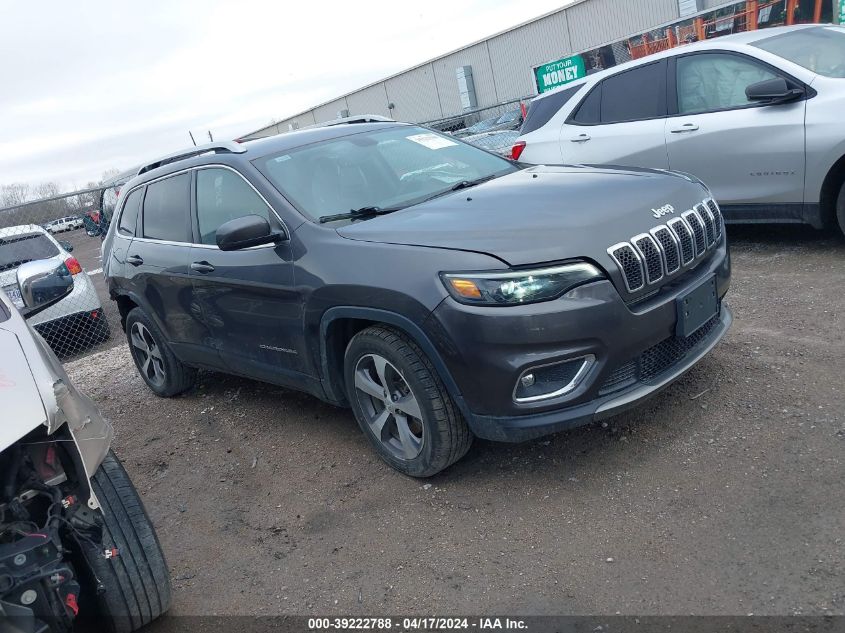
[390,408]
[401,404]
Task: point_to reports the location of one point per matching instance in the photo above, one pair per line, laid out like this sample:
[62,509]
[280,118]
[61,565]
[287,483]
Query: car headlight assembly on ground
[519,287]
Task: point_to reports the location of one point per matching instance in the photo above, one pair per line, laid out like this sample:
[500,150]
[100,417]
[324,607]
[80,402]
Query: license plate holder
[696,307]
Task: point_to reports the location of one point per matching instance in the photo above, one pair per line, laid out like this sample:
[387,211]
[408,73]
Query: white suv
[75,322]
[757,116]
[70,223]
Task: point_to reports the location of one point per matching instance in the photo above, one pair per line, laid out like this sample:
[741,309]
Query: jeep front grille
[668,248]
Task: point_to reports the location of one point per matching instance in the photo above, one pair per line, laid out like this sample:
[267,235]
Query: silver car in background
[75,321]
[757,116]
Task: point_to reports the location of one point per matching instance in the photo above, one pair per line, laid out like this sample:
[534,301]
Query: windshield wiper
[363,212]
[466,184]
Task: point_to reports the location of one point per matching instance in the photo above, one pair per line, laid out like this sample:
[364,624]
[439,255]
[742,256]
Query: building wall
[516,52]
[414,94]
[501,65]
[599,22]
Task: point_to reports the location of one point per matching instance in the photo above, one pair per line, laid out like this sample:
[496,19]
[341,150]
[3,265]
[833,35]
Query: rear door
[158,271]
[248,298]
[621,121]
[745,152]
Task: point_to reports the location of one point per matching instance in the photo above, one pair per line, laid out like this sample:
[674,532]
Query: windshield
[19,249]
[386,169]
[819,49]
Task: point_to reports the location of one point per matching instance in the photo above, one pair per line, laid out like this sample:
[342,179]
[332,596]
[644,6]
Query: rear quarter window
[542,110]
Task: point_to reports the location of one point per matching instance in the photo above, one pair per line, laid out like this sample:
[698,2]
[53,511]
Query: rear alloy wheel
[401,404]
[164,374]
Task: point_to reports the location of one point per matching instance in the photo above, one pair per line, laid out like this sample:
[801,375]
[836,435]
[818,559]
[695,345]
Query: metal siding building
[502,64]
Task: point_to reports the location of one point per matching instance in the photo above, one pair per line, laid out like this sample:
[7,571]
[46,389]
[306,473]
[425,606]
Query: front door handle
[581,138]
[202,267]
[135,260]
[686,127]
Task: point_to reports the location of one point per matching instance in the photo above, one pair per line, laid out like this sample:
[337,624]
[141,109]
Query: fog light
[553,380]
[527,380]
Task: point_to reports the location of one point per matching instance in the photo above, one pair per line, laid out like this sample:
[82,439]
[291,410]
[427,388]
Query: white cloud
[101,84]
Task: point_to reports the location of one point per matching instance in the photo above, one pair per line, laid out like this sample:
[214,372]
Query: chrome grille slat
[697,225]
[652,259]
[683,232]
[630,264]
[717,215]
[709,224]
[669,248]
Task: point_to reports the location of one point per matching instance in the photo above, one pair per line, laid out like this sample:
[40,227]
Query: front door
[745,152]
[248,297]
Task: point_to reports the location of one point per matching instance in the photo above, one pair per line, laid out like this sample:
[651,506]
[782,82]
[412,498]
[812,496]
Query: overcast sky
[93,85]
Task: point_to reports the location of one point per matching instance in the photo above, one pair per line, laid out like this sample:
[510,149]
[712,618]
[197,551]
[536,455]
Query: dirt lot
[724,495]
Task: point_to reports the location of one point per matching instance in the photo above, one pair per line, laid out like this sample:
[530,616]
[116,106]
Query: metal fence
[494,129]
[66,230]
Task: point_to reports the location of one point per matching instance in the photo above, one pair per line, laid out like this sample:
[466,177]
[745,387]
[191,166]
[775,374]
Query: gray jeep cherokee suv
[440,291]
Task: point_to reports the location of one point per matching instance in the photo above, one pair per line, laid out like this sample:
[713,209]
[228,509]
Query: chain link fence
[66,230]
[495,128]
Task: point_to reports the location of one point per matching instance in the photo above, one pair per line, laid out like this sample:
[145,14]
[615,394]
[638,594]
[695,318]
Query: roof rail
[222,147]
[355,118]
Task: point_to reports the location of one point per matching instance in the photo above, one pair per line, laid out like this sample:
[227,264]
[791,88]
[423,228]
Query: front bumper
[635,348]
[526,427]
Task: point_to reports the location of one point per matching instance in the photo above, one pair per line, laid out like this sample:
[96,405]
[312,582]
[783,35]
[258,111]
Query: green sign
[840,13]
[550,76]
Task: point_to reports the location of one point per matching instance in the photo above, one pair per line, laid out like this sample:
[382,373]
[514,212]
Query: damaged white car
[75,540]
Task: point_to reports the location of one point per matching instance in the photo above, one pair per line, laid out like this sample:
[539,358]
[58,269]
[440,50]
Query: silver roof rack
[222,147]
[355,118]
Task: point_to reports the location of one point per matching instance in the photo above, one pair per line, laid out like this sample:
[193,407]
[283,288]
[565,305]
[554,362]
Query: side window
[716,81]
[166,208]
[223,195]
[635,94]
[129,217]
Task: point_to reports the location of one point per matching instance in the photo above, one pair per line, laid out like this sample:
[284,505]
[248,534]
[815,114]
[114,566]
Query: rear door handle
[135,260]
[686,127]
[581,138]
[202,267]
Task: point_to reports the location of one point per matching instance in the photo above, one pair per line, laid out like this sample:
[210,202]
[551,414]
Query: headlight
[519,286]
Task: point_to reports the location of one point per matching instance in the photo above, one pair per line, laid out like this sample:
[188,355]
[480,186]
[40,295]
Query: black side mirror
[67,246]
[773,91]
[42,283]
[250,230]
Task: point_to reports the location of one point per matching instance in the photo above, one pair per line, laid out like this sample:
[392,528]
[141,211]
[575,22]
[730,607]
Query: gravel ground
[723,495]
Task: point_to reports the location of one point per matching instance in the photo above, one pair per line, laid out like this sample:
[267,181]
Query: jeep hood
[540,214]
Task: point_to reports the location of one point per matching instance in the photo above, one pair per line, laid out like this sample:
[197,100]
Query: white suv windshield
[387,169]
[819,49]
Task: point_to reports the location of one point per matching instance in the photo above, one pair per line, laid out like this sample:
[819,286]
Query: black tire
[177,378]
[444,432]
[137,580]
[840,209]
